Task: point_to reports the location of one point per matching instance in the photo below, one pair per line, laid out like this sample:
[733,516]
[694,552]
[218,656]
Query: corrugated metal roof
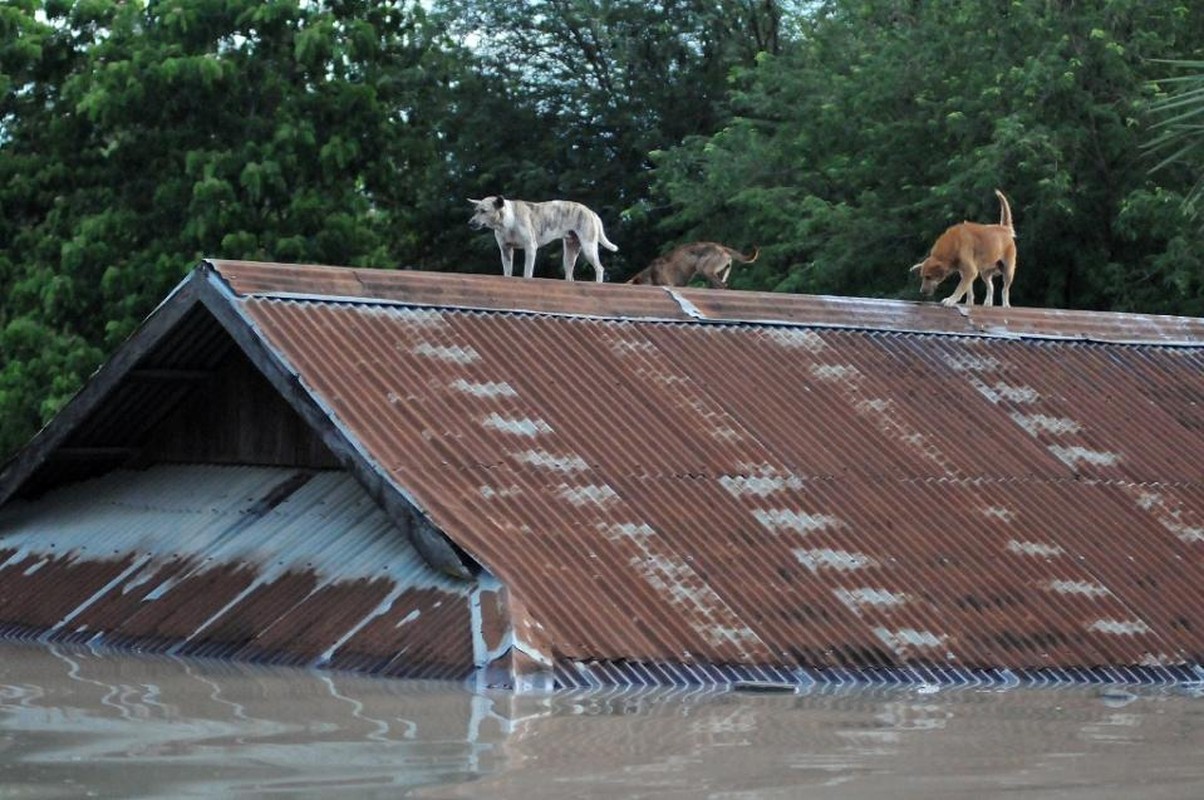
[782,495]
[690,485]
[253,563]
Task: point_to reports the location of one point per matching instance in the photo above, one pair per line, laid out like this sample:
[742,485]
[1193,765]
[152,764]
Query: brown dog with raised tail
[973,250]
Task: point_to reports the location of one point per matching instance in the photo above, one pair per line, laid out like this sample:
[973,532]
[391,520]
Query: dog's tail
[743,259]
[1005,212]
[607,243]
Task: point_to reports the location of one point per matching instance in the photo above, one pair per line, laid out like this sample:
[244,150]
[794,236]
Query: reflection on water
[80,724]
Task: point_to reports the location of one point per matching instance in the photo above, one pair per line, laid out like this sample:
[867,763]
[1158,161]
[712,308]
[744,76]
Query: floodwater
[75,723]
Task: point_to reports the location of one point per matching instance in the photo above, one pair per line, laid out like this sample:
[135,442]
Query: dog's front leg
[507,252]
[529,259]
[965,288]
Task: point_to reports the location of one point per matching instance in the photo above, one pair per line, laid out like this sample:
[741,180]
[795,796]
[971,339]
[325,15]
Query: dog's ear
[499,201]
[474,202]
[916,267]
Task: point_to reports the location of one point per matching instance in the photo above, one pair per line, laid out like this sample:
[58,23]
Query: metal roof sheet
[257,563]
[691,485]
[777,493]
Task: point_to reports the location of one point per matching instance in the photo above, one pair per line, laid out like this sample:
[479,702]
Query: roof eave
[99,385]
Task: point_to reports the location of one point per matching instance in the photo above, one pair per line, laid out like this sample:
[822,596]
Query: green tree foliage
[888,121]
[1179,129]
[136,138]
[604,84]
[842,136]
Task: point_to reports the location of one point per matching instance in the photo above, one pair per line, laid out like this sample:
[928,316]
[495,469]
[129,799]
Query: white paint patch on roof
[966,362]
[1073,455]
[624,346]
[760,485]
[1015,394]
[856,600]
[796,338]
[484,388]
[840,560]
[454,354]
[1034,549]
[499,492]
[1159,660]
[418,317]
[546,460]
[594,494]
[1084,588]
[705,611]
[778,519]
[900,640]
[874,404]
[517,427]
[999,513]
[1169,518]
[619,531]
[835,372]
[1119,627]
[1040,423]
[1187,534]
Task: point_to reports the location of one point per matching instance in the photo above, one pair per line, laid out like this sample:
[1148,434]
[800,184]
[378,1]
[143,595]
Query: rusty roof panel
[257,563]
[788,497]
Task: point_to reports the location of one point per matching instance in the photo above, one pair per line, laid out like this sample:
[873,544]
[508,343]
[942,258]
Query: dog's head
[932,271]
[487,212]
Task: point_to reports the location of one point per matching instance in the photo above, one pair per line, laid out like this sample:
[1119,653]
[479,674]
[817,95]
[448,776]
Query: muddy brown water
[75,723]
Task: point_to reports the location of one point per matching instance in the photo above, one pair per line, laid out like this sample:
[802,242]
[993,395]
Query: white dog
[517,223]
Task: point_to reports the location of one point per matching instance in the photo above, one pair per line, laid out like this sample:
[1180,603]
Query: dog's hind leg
[590,249]
[572,247]
[989,279]
[1009,272]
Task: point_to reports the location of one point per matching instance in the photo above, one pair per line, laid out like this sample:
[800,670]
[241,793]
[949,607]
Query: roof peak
[320,283]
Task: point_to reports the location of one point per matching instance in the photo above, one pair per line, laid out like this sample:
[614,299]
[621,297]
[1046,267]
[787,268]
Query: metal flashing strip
[599,675]
[698,316]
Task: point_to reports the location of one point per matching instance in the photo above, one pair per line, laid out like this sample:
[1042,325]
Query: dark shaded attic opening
[194,397]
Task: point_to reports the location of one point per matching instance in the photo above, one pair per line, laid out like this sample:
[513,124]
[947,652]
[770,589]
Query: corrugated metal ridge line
[455,291]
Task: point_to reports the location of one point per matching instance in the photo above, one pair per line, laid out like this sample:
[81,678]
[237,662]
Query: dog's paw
[949,301]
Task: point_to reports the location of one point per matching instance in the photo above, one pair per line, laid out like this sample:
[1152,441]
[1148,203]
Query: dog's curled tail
[607,243]
[1005,212]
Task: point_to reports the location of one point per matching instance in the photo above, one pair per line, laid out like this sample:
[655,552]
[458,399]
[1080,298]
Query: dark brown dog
[973,250]
[711,260]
